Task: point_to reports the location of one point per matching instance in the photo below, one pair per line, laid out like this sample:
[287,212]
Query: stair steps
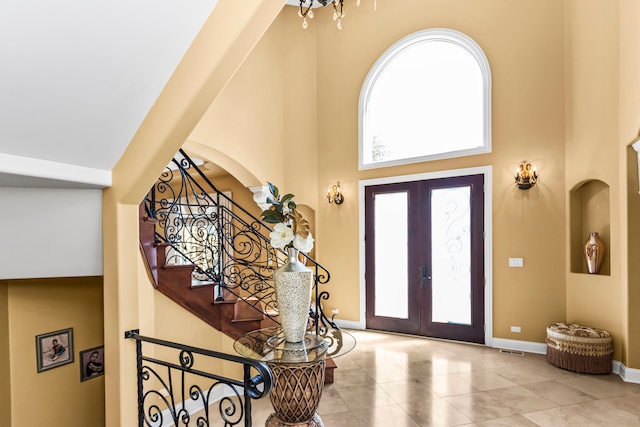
[232,317]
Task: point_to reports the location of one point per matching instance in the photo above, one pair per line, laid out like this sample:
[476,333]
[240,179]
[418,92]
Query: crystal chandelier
[338,10]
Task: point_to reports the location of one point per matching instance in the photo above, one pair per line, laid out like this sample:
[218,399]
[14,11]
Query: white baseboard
[526,346]
[349,324]
[629,375]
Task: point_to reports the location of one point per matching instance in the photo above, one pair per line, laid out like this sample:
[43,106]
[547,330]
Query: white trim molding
[488,240]
[407,44]
[629,375]
[636,147]
[349,324]
[19,171]
[526,346]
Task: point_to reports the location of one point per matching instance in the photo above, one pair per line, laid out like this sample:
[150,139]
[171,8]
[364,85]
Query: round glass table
[297,368]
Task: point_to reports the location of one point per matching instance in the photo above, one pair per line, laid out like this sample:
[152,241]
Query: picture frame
[54,349]
[91,363]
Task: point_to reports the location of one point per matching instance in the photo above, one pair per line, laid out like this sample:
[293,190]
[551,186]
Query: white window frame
[429,35]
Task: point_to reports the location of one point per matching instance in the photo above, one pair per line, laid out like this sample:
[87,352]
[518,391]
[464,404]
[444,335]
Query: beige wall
[594,152]
[223,43]
[266,117]
[247,117]
[629,130]
[528,123]
[5,366]
[558,96]
[38,306]
[564,98]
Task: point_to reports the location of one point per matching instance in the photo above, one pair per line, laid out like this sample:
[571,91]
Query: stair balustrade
[227,246]
[175,387]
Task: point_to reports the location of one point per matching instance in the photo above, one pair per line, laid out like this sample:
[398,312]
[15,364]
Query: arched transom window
[427,97]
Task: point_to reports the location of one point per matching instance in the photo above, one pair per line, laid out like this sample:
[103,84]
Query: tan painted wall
[560,85]
[5,366]
[38,306]
[593,151]
[528,123]
[239,193]
[265,119]
[230,33]
[533,71]
[247,117]
[629,130]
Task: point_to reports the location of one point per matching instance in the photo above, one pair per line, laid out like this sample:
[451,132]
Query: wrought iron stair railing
[227,244]
[175,386]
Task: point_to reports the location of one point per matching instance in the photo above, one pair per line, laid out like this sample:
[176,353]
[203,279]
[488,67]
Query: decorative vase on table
[594,251]
[293,283]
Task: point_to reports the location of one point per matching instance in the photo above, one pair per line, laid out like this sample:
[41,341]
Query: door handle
[424,271]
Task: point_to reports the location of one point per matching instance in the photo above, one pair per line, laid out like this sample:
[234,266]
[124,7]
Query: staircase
[232,315]
[212,257]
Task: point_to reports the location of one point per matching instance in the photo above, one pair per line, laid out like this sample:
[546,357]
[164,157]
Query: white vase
[293,283]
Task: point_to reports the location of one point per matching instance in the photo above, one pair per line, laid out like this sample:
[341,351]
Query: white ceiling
[77,77]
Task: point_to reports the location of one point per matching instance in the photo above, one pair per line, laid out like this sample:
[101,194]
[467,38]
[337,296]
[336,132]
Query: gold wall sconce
[526,176]
[334,194]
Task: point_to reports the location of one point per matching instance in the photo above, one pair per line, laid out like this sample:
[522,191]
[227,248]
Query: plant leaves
[300,224]
[287,198]
[272,216]
[272,213]
[274,190]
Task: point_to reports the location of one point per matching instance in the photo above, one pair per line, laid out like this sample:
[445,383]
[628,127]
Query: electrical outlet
[516,329]
[335,311]
[516,262]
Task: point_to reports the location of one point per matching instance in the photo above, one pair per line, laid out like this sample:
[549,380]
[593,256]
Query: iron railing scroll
[177,389]
[227,245]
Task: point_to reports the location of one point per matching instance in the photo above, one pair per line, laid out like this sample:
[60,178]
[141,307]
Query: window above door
[427,97]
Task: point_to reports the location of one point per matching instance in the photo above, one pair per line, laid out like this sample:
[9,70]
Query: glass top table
[268,345]
[298,370]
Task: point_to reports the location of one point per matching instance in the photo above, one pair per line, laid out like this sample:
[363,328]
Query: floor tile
[480,407]
[408,390]
[559,393]
[601,386]
[434,413]
[394,380]
[365,397]
[384,416]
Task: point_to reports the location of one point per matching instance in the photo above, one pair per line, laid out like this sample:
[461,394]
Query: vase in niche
[293,283]
[594,251]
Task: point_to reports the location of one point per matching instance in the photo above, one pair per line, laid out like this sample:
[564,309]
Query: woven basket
[579,348]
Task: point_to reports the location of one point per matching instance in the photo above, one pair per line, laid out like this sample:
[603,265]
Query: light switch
[516,262]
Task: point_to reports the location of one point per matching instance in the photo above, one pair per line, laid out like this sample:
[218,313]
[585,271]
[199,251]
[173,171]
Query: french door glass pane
[451,255]
[391,255]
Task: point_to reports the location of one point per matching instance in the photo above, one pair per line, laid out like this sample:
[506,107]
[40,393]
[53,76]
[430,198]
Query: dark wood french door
[425,257]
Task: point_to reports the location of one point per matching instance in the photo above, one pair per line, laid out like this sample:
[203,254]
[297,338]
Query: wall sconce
[334,194]
[636,147]
[526,176]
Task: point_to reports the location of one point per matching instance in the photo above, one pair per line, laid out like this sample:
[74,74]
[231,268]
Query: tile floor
[398,381]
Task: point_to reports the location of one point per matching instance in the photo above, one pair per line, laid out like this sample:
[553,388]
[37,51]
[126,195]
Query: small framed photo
[54,349]
[91,363]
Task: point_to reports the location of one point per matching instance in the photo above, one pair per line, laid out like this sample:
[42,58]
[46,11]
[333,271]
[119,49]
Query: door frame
[488,237]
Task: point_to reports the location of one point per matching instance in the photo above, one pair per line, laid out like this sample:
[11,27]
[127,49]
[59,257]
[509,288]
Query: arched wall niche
[590,210]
